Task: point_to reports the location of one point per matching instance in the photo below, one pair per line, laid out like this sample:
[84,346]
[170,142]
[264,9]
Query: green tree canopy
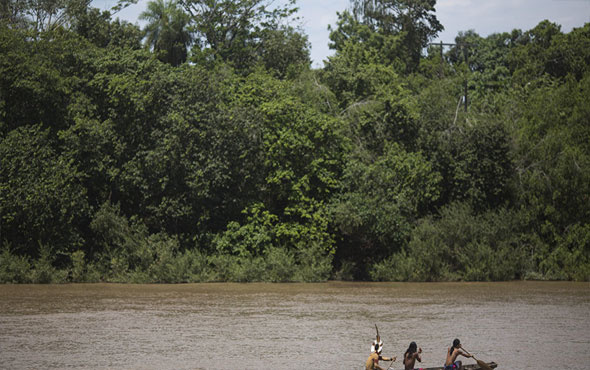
[413,21]
[167,31]
[231,30]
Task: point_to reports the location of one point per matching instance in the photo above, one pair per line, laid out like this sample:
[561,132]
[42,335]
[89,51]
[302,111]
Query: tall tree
[233,30]
[414,20]
[40,15]
[12,12]
[99,28]
[167,30]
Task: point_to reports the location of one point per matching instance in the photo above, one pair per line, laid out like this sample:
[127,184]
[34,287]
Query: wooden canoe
[493,365]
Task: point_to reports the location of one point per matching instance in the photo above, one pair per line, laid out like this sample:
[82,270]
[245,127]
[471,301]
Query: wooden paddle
[391,363]
[481,364]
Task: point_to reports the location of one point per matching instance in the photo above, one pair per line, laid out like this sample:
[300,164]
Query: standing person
[452,354]
[412,354]
[375,356]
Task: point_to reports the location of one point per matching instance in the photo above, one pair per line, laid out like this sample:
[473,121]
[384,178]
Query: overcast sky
[483,16]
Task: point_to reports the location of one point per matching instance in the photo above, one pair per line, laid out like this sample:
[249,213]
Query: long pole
[466,53]
[391,363]
[442,58]
[464,46]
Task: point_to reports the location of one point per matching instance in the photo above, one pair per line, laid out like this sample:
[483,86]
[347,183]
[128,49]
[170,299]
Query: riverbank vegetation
[204,147]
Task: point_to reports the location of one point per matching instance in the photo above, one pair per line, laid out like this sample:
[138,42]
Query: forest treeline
[204,146]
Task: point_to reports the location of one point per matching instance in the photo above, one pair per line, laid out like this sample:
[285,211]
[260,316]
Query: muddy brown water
[520,325]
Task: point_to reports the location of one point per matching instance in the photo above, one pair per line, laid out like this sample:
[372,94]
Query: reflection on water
[520,325]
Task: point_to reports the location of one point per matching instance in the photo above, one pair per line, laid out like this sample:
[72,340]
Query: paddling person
[452,354]
[375,356]
[412,354]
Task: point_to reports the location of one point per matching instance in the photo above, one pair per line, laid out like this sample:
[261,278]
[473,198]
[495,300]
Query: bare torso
[410,360]
[452,356]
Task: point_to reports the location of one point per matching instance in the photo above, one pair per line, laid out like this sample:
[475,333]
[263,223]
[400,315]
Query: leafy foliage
[41,200]
[122,163]
[244,32]
[167,30]
[460,246]
[382,200]
[413,22]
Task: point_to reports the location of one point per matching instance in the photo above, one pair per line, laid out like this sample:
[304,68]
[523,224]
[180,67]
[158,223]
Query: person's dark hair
[376,347]
[411,350]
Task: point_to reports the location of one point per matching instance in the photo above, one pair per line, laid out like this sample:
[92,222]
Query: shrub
[460,245]
[265,249]
[195,265]
[165,267]
[78,271]
[43,271]
[119,269]
[345,272]
[13,268]
[314,264]
[239,269]
[279,265]
[571,258]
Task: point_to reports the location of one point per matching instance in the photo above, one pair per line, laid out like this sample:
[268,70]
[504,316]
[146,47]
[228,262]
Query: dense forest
[204,146]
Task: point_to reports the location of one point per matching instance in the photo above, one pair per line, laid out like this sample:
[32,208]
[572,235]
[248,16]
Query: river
[519,325]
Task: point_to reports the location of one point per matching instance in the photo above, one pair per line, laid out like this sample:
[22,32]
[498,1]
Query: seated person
[452,353]
[411,355]
[375,356]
